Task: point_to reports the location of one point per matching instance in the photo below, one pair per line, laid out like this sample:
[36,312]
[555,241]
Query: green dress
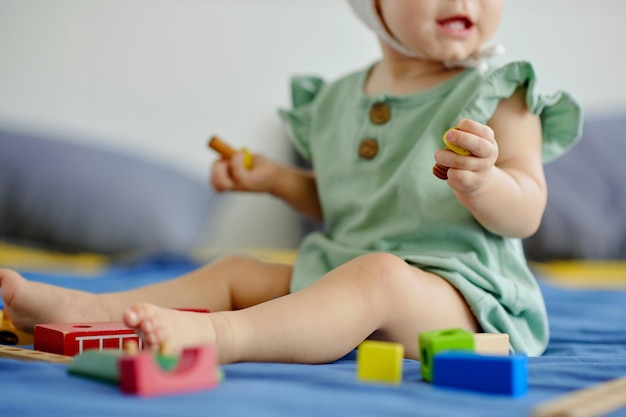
[386,198]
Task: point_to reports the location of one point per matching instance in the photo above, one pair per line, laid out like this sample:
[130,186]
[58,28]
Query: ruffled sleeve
[560,114]
[298,119]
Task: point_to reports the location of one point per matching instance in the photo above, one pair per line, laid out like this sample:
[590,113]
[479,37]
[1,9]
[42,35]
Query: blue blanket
[588,346]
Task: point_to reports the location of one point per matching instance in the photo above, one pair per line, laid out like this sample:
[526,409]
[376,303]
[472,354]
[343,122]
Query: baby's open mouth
[456,23]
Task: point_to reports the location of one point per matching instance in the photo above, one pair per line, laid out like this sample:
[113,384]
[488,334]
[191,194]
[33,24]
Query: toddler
[402,251]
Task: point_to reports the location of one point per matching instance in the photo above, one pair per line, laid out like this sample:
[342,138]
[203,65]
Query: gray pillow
[70,197]
[586,213]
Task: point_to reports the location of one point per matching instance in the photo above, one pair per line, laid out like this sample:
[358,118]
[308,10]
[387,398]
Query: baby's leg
[376,295]
[228,283]
[28,303]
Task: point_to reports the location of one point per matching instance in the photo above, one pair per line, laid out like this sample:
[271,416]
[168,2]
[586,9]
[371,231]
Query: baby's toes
[149,323]
[134,316]
[10,281]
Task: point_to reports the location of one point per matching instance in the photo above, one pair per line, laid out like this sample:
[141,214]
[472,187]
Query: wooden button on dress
[380,113]
[368,148]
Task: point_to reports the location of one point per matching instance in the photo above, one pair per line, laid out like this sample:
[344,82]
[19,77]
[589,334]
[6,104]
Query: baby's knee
[379,260]
[383,267]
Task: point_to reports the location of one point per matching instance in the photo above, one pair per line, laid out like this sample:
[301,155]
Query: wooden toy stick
[227,151]
[32,355]
[441,171]
[597,400]
[221,147]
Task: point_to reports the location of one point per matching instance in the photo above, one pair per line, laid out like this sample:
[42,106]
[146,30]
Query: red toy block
[196,370]
[72,338]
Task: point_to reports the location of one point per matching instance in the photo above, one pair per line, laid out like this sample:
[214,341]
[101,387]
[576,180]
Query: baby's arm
[503,182]
[294,186]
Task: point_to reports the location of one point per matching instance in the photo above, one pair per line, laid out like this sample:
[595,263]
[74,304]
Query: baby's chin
[458,55]
[449,55]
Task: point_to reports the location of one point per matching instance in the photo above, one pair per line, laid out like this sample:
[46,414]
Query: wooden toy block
[492,343]
[597,400]
[11,335]
[491,374]
[12,352]
[72,338]
[196,369]
[380,362]
[433,342]
[227,151]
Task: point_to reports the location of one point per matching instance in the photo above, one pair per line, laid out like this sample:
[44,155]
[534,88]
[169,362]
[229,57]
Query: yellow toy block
[456,149]
[380,362]
[441,171]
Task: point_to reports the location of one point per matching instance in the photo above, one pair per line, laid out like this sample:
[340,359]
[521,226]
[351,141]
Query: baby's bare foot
[176,329]
[29,303]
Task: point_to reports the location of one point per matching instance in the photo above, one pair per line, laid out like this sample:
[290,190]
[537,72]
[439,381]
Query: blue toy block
[504,375]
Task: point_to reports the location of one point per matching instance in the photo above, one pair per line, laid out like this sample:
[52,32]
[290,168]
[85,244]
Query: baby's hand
[235,174]
[467,173]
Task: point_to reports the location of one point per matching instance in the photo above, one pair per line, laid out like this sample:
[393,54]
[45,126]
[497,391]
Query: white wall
[157,77]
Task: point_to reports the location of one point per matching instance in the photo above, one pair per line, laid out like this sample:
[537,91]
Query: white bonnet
[367,12]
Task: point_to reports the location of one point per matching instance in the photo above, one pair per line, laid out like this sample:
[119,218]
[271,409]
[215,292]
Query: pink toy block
[196,370]
[72,338]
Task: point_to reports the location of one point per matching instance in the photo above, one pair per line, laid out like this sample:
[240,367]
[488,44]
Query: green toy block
[166,362]
[436,341]
[103,365]
[97,364]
